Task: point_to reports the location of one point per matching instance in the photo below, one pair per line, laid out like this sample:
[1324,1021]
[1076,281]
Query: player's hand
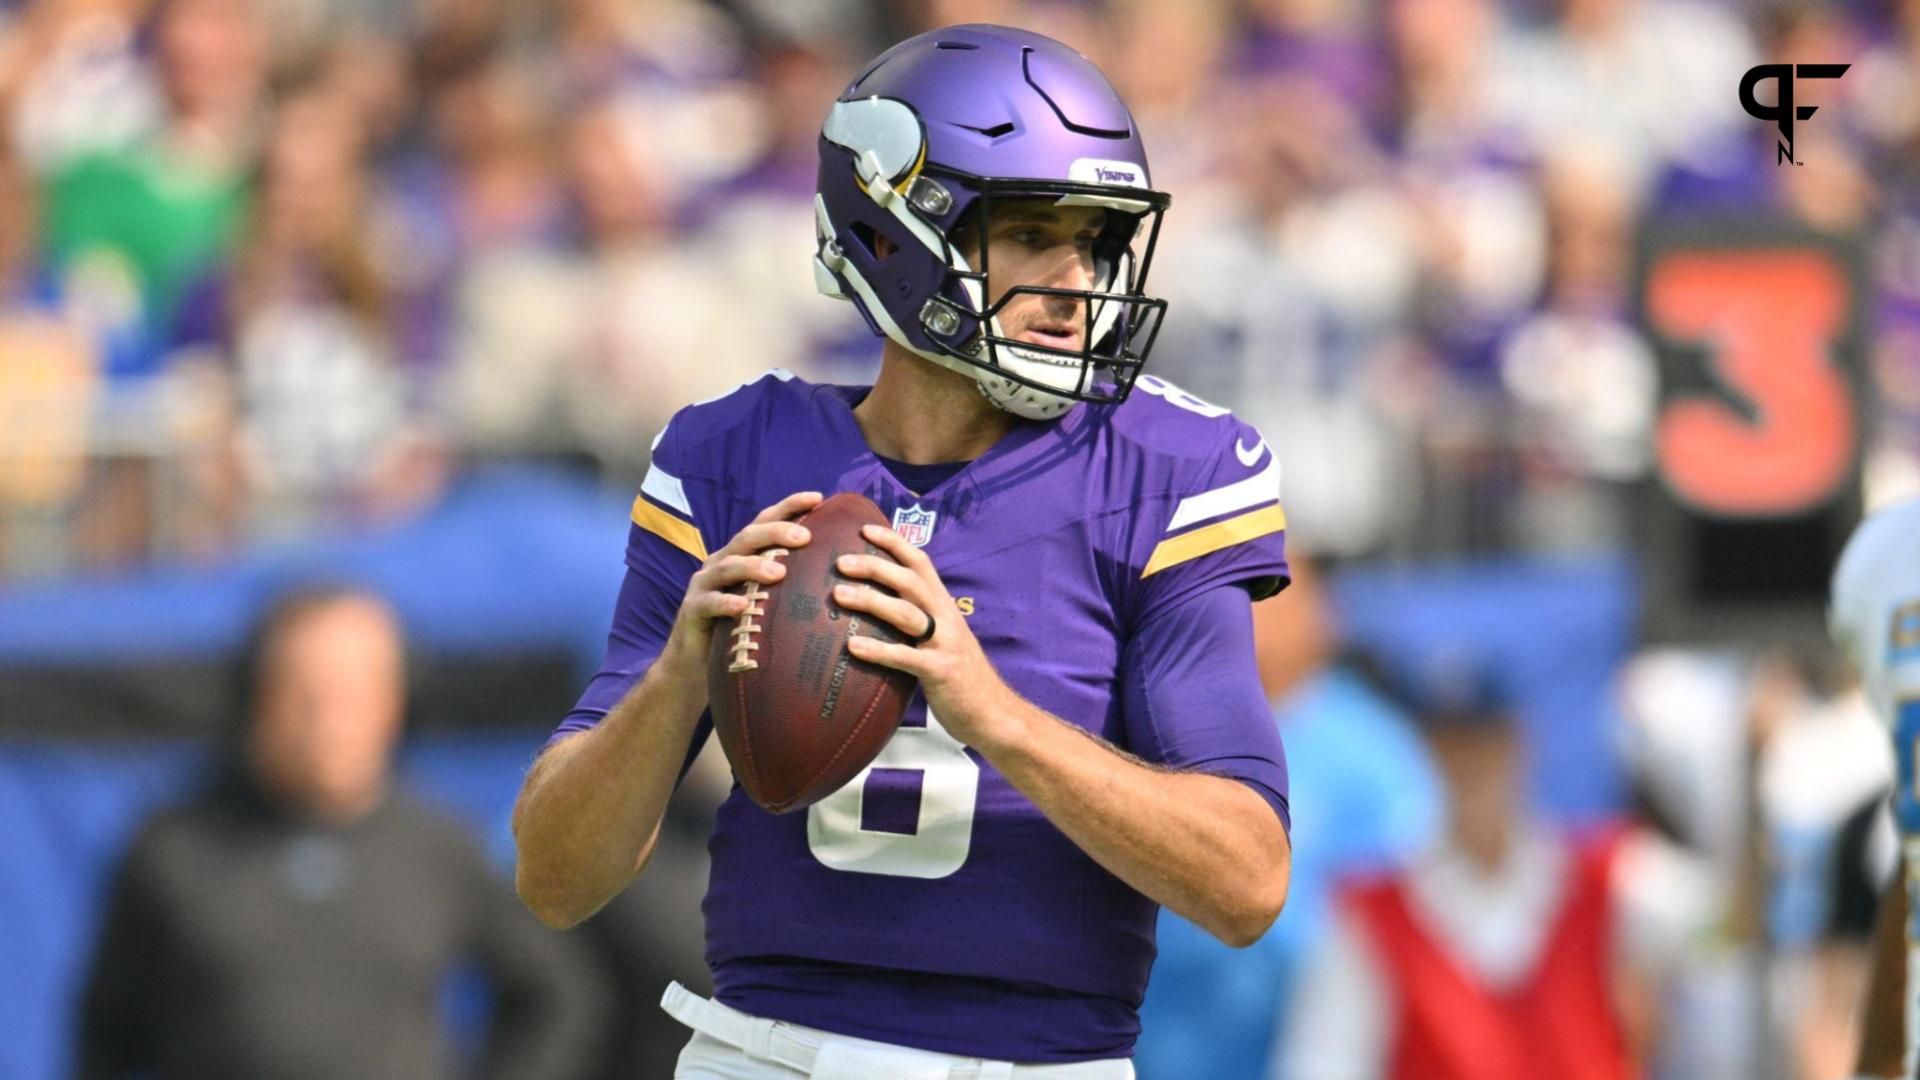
[742,560]
[961,685]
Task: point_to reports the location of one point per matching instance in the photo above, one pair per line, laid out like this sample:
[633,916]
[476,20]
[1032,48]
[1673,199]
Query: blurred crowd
[271,262]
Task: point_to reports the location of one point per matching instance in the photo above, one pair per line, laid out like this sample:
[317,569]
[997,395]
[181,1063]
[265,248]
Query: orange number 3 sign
[1779,439]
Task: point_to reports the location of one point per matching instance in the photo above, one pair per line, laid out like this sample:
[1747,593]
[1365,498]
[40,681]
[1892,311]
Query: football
[797,715]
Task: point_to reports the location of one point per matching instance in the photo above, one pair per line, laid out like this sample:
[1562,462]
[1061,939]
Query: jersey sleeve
[1192,696]
[674,519]
[1220,523]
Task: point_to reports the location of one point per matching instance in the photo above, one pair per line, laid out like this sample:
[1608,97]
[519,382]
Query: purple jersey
[928,902]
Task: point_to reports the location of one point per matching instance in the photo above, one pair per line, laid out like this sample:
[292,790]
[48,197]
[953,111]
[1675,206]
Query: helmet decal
[883,135]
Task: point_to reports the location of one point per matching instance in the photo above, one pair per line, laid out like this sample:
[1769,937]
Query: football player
[1075,550]
[1875,618]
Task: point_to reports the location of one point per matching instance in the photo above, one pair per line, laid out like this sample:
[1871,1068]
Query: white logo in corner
[1248,454]
[1102,171]
[914,525]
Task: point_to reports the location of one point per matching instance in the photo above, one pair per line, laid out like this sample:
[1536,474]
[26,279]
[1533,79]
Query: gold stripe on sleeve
[680,534]
[1206,541]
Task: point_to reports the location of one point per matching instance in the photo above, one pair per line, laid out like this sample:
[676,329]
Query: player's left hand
[961,685]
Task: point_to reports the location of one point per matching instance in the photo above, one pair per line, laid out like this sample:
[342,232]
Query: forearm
[1205,846]
[590,810]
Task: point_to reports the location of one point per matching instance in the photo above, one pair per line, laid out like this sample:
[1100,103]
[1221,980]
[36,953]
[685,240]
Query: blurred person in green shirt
[131,228]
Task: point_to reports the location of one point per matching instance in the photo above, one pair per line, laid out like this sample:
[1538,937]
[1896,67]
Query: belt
[765,1039]
[784,1044]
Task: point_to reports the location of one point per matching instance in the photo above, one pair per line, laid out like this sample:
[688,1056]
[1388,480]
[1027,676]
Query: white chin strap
[1043,367]
[1018,398]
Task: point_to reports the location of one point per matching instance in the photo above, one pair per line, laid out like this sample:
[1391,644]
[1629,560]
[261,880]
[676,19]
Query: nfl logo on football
[914,525]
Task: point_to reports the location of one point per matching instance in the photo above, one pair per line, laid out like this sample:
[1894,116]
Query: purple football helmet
[917,150]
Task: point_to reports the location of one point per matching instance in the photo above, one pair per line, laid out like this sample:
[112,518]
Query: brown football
[797,715]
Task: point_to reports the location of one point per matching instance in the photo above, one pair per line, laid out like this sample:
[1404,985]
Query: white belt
[843,1058]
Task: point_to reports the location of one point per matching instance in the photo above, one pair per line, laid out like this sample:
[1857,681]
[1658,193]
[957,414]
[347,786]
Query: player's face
[1033,242]
[330,703]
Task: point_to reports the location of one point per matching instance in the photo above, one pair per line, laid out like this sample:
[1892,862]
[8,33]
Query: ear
[883,247]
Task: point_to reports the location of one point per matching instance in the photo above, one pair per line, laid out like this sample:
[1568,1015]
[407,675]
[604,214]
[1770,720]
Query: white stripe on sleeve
[1261,487]
[666,488]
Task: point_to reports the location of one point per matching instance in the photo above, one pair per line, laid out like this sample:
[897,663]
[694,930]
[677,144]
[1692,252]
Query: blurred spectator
[1741,762]
[301,918]
[1269,311]
[680,68]
[1581,379]
[1639,82]
[1740,171]
[73,81]
[305,315]
[768,209]
[1510,950]
[1365,798]
[1170,59]
[478,179]
[1888,108]
[1818,759]
[130,229]
[48,382]
[127,227]
[1466,172]
[588,349]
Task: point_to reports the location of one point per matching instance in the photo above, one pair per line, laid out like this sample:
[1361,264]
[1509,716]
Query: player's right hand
[712,592]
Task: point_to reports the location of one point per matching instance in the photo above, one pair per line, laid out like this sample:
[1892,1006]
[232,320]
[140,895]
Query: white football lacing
[743,642]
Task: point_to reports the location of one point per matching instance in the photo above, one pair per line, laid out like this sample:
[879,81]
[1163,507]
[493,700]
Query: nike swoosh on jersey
[1247,455]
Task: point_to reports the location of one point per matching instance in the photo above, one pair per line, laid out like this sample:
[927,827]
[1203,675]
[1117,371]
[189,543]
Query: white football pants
[728,1044]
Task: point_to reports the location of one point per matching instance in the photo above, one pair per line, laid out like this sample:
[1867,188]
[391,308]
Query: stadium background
[401,293]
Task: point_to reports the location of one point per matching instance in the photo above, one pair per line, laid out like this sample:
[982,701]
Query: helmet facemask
[1118,321]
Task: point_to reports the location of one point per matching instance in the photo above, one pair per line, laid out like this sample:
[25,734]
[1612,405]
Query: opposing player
[1875,617]
[1075,546]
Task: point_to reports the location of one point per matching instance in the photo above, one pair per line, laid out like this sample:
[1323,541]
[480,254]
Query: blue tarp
[1561,629]
[511,558]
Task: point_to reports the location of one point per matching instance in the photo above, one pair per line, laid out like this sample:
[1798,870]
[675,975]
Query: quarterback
[1076,547]
[1875,618]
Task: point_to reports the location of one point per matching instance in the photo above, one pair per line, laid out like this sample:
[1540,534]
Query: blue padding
[1560,629]
[511,559]
[66,813]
